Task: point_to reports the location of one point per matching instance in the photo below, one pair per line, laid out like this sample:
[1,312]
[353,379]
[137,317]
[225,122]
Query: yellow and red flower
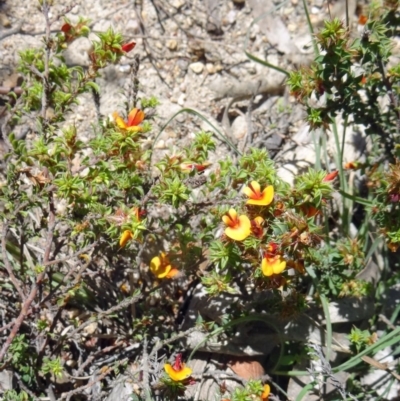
[256,227]
[178,371]
[273,265]
[239,227]
[161,267]
[272,262]
[135,117]
[256,197]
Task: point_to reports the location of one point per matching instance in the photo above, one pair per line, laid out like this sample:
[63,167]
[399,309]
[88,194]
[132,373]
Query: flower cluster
[296,213]
[240,227]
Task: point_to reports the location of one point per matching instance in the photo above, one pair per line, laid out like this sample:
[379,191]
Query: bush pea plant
[100,242]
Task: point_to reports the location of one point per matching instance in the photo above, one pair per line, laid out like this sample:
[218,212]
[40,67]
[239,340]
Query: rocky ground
[192,55]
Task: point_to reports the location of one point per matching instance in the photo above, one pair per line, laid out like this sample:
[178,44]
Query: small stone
[247,368]
[77,52]
[211,68]
[288,10]
[181,99]
[178,4]
[91,328]
[231,16]
[292,27]
[218,67]
[197,68]
[74,312]
[315,10]
[182,64]
[124,68]
[239,128]
[5,21]
[188,22]
[75,10]
[251,69]
[160,144]
[172,44]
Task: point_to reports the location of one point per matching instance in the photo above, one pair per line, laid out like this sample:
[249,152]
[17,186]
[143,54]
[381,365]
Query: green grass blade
[311,29]
[304,391]
[356,199]
[217,132]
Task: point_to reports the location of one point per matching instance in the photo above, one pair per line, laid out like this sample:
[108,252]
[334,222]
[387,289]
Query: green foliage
[360,339]
[252,390]
[338,266]
[23,358]
[348,78]
[12,395]
[52,367]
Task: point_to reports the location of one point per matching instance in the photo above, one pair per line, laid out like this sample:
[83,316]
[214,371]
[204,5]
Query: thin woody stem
[28,302]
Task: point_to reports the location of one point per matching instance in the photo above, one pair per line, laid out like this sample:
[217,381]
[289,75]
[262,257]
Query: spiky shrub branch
[82,229]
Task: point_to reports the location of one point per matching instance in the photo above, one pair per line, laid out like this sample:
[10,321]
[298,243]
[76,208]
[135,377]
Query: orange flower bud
[125,237]
[127,47]
[331,176]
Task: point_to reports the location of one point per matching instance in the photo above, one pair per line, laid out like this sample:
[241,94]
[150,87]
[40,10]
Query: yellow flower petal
[253,190]
[265,394]
[275,265]
[226,220]
[179,375]
[125,237]
[118,120]
[259,220]
[163,271]
[266,197]
[232,214]
[230,218]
